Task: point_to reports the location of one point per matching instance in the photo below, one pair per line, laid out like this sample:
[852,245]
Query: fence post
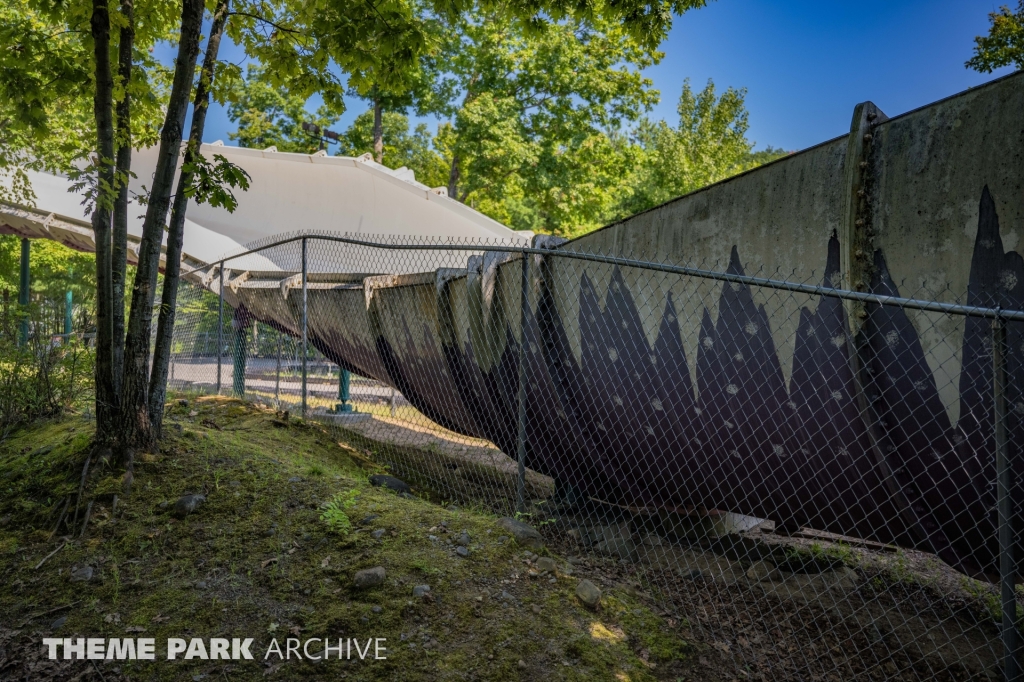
[1004,489]
[239,354]
[23,298]
[220,325]
[344,393]
[304,339]
[277,378]
[524,298]
[68,306]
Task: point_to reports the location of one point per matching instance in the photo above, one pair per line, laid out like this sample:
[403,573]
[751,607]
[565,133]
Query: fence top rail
[783,285]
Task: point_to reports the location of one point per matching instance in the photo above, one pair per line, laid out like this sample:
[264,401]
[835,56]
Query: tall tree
[709,144]
[530,107]
[402,145]
[123,167]
[191,162]
[272,115]
[1004,44]
[103,98]
[134,429]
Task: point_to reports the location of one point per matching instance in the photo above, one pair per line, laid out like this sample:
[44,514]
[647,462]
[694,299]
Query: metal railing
[732,430]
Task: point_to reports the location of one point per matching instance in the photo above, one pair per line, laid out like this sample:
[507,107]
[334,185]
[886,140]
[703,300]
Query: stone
[82,575]
[391,483]
[588,593]
[546,565]
[376,609]
[846,578]
[295,479]
[502,539]
[421,591]
[57,624]
[618,548]
[536,609]
[652,540]
[463,539]
[370,577]
[201,584]
[525,535]
[187,504]
[522,664]
[462,551]
[378,534]
[367,520]
[763,571]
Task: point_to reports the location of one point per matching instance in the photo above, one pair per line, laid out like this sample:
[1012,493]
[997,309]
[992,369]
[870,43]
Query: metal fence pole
[68,307]
[1004,488]
[220,325]
[304,336]
[23,292]
[524,298]
[277,378]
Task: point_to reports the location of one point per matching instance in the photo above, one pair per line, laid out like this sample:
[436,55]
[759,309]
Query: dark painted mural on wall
[863,448]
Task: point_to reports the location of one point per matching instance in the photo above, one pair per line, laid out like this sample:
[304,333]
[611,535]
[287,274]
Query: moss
[256,560]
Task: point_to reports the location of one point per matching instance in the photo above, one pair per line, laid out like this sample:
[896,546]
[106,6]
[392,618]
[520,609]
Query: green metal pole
[344,380]
[23,293]
[239,357]
[68,301]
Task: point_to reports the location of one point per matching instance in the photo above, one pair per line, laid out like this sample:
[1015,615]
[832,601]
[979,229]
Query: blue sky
[804,64]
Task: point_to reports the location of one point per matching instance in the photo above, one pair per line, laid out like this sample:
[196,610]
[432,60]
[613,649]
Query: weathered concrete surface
[659,390]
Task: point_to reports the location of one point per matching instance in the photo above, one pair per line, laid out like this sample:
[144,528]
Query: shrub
[42,378]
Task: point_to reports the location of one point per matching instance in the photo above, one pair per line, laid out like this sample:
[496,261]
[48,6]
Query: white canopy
[288,193]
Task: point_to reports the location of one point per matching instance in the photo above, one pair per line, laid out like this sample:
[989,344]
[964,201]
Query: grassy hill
[257,559]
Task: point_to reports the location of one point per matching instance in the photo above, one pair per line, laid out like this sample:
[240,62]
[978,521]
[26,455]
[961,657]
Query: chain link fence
[812,483]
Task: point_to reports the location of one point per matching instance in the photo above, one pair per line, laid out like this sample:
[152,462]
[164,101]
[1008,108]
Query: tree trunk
[119,238]
[378,131]
[134,420]
[453,177]
[176,232]
[106,399]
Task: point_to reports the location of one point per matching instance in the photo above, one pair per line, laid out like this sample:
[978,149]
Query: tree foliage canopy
[1004,44]
[708,145]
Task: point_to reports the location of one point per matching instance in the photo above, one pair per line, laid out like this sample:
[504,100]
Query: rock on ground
[391,483]
[525,535]
[763,570]
[370,577]
[589,594]
[82,575]
[187,504]
[618,548]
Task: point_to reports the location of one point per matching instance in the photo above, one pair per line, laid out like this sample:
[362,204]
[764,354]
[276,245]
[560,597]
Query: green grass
[257,560]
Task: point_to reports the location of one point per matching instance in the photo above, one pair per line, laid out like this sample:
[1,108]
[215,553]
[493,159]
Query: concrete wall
[665,391]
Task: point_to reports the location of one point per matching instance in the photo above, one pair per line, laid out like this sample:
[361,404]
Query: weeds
[335,512]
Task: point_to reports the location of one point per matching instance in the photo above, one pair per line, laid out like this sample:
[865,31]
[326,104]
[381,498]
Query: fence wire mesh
[809,482]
